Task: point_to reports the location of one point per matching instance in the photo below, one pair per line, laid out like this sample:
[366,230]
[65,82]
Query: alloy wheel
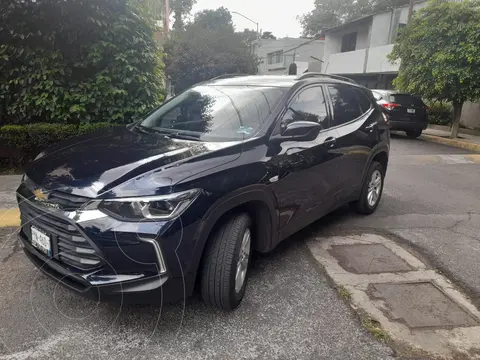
[243,259]
[374,188]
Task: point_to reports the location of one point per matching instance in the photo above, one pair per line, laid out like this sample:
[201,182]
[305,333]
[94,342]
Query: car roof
[272,80]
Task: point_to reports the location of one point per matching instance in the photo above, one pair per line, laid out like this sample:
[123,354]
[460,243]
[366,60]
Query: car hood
[93,165]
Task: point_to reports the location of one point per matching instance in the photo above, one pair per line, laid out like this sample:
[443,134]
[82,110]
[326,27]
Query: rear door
[407,108]
[356,119]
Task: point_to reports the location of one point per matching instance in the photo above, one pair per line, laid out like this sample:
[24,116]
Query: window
[275,57]
[308,105]
[216,113]
[345,103]
[349,42]
[363,100]
[406,99]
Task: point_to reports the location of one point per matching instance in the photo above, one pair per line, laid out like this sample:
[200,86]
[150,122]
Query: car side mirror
[298,131]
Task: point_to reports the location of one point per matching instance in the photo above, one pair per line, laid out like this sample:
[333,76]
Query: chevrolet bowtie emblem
[40,195]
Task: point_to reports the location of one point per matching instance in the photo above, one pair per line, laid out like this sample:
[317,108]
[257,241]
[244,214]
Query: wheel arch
[380,154]
[258,201]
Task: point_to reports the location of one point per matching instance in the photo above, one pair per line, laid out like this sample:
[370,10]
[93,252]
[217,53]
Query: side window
[363,100]
[345,104]
[308,105]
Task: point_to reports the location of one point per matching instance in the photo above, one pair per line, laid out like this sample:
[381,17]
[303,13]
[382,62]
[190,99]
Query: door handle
[330,141]
[371,126]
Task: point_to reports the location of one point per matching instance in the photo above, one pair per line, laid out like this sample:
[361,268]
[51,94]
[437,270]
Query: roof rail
[317,74]
[226,76]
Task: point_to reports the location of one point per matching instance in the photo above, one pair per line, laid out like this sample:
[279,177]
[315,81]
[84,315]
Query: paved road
[290,310]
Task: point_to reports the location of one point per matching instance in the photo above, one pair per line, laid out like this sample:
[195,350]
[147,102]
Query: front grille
[69,246]
[64,201]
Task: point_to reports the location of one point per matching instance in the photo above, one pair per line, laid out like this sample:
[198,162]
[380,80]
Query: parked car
[406,112]
[147,212]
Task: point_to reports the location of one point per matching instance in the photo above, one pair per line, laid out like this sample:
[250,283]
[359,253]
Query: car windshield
[216,113]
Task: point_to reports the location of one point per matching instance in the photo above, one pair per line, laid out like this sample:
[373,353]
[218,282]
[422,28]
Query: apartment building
[276,55]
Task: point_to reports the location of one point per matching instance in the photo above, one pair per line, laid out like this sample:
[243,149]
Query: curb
[9,217]
[452,142]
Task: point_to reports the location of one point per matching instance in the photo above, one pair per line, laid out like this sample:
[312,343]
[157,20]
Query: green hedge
[21,143]
[440,113]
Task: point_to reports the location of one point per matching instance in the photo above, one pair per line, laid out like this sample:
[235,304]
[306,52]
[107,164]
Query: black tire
[220,264]
[413,133]
[363,206]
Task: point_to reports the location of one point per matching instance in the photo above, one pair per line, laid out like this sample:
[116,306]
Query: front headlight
[161,207]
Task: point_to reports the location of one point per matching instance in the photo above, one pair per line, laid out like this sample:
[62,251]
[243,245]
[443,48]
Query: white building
[359,49]
[275,56]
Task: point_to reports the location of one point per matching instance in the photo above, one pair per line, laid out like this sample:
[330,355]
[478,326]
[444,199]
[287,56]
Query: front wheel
[413,133]
[371,190]
[225,267]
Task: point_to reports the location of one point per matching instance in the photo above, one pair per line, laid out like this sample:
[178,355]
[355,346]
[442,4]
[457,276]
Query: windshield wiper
[184,136]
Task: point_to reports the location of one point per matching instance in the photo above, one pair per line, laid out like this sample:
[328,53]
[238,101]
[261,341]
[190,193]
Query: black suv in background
[143,213]
[406,112]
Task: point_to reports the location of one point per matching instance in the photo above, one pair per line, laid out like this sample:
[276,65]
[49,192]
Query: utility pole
[410,10]
[166,17]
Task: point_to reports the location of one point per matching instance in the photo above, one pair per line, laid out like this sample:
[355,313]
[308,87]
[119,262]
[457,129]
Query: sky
[272,15]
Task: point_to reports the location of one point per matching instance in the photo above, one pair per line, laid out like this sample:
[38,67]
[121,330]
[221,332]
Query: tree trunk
[178,22]
[457,113]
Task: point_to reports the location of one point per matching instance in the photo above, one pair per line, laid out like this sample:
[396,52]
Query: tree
[330,13]
[208,47]
[180,8]
[77,61]
[440,56]
[249,36]
[268,35]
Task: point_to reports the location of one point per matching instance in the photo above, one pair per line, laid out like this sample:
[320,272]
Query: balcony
[365,61]
[352,62]
[378,62]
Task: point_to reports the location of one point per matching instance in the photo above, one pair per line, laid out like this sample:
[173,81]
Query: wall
[380,30]
[471,115]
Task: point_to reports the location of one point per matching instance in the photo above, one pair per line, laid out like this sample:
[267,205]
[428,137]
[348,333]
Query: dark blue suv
[146,212]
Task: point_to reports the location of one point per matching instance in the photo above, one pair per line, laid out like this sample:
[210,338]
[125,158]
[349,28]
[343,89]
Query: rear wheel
[371,190]
[413,133]
[225,269]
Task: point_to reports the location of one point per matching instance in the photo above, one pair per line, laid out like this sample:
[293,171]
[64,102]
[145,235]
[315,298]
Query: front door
[307,172]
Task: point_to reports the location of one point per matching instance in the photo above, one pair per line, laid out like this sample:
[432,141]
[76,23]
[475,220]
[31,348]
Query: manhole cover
[368,259]
[421,305]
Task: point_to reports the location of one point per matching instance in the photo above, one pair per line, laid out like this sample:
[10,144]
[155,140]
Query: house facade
[359,49]
[276,55]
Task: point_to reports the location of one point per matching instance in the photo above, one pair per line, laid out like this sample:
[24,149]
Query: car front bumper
[105,259]
[98,286]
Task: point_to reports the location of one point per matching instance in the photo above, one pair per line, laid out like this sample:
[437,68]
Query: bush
[21,143]
[77,61]
[440,113]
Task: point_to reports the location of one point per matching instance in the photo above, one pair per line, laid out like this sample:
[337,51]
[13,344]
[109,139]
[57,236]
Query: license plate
[41,241]
[411,111]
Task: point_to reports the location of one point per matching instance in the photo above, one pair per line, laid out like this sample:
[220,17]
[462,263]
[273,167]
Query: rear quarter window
[363,100]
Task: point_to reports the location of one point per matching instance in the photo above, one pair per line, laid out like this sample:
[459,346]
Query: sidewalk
[9,214]
[465,141]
